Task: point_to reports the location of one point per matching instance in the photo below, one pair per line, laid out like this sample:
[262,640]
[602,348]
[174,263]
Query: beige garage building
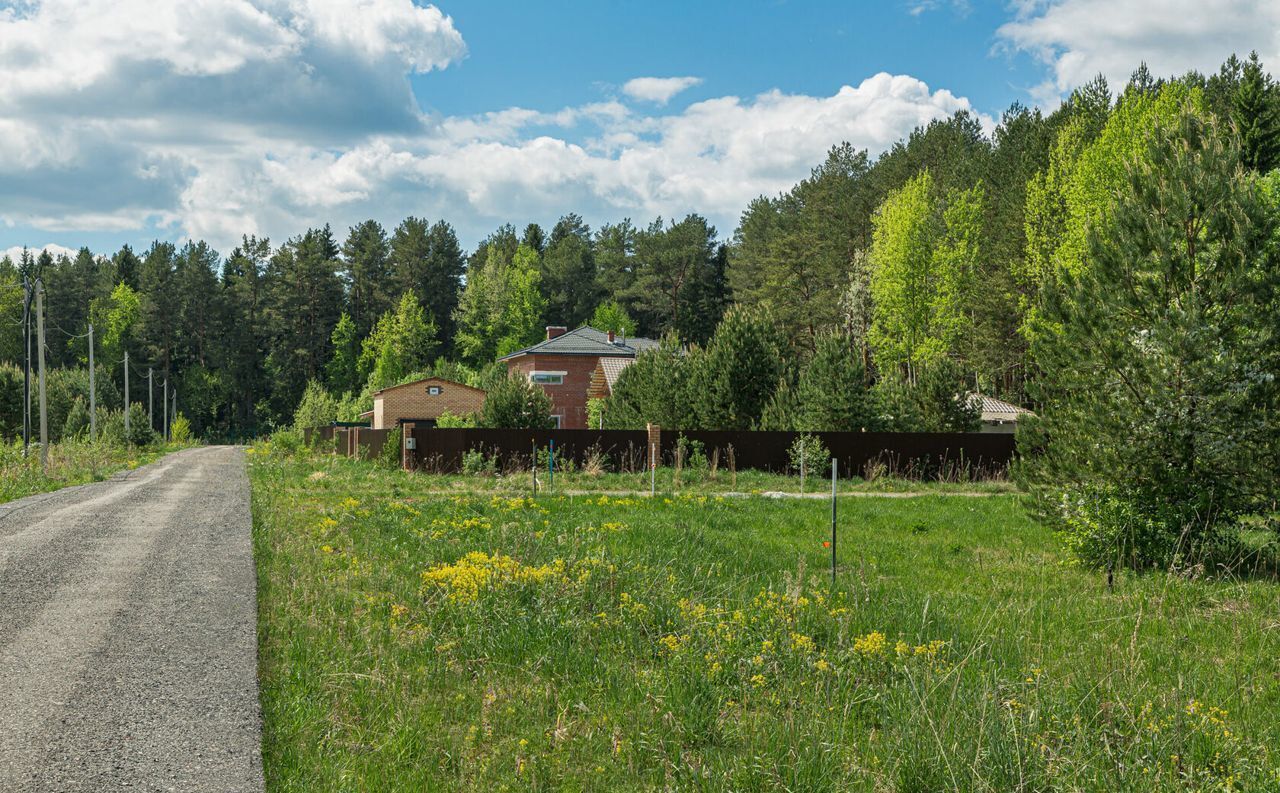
[423,401]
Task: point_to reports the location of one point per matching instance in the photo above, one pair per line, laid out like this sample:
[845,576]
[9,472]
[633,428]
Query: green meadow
[481,640]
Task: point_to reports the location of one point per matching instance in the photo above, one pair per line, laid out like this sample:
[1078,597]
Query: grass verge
[70,463]
[488,641]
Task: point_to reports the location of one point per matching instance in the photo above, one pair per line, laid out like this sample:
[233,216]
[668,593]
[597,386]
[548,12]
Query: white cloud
[658,89]
[918,7]
[268,116]
[713,157]
[15,253]
[1079,39]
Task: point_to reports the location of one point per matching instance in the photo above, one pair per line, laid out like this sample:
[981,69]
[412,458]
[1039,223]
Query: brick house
[564,363]
[423,401]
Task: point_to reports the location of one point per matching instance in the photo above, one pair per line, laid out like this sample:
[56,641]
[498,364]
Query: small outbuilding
[422,402]
[998,415]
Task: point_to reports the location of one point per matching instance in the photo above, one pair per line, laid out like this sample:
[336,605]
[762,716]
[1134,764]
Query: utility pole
[44,411]
[164,404]
[151,413]
[175,411]
[93,393]
[26,369]
[126,396]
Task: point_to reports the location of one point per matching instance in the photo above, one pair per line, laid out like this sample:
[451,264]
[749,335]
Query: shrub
[77,423]
[449,421]
[140,432]
[392,451]
[516,403]
[317,408]
[476,463]
[180,430]
[287,442]
[813,451]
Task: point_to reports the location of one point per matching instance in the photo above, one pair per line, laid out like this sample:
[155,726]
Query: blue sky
[122,121]
[522,54]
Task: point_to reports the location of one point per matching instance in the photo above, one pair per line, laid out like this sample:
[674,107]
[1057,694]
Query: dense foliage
[930,260]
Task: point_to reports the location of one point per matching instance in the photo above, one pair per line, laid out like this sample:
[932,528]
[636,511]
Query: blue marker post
[551,464]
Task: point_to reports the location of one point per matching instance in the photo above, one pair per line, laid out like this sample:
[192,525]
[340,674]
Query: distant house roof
[440,380]
[586,341]
[997,409]
[605,375]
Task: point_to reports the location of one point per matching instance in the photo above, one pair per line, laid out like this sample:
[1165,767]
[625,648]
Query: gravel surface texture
[128,646]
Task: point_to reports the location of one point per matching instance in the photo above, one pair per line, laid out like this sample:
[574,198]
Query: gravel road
[128,648]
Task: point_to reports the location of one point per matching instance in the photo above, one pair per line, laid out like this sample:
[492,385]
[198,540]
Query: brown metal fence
[348,441]
[925,455]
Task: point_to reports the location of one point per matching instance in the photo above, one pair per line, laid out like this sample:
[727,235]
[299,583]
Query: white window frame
[434,390]
[557,378]
[558,419]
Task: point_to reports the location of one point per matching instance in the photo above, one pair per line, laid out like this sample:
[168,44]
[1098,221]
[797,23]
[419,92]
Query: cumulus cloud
[1079,39]
[216,118]
[658,89]
[713,157]
[15,253]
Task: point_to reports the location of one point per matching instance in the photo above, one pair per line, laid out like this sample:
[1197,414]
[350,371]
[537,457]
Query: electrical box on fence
[411,443]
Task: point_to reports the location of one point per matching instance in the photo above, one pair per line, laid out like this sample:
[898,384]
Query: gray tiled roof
[587,341]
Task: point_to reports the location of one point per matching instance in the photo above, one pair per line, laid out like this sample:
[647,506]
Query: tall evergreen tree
[569,285]
[367,258]
[1256,114]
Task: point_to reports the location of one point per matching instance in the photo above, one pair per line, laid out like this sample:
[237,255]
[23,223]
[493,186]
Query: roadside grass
[487,641]
[73,462]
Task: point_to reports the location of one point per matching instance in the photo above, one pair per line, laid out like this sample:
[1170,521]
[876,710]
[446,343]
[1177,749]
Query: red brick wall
[568,400]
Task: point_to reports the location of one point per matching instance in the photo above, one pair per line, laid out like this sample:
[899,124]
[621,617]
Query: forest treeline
[932,257]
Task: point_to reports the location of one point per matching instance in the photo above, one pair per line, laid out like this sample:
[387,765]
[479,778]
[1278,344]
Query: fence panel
[925,455]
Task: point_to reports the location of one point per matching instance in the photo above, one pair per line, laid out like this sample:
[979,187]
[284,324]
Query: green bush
[477,463]
[140,433]
[180,430]
[516,403]
[287,442]
[390,457]
[813,451]
[77,422]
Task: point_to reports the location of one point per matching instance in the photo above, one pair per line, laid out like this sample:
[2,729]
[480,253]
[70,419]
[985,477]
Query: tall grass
[489,641]
[71,462]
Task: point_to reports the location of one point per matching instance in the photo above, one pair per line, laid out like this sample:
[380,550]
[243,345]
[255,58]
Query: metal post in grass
[533,464]
[802,445]
[551,464]
[833,522]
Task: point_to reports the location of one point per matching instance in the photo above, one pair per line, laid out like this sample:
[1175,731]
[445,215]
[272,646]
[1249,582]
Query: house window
[556,420]
[547,378]
[433,390]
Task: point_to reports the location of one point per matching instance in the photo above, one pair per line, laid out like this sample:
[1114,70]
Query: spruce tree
[1256,113]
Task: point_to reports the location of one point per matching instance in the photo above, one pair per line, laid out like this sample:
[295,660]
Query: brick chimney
[556,330]
[611,337]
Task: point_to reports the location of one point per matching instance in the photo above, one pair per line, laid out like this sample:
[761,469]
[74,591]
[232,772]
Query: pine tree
[738,371]
[1159,372]
[831,394]
[366,256]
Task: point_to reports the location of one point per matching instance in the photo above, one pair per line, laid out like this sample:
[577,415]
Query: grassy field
[70,463]
[486,641]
